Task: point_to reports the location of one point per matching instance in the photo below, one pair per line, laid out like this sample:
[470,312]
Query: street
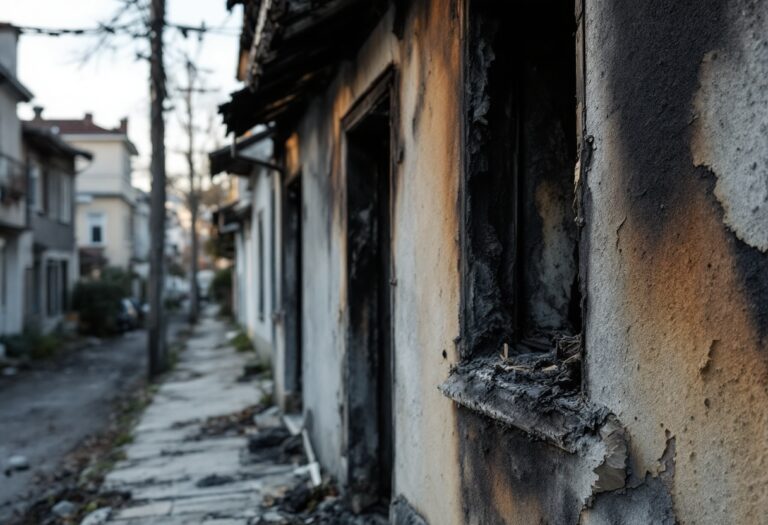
[45,412]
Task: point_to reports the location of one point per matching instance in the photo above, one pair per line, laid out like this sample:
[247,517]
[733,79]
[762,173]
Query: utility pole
[158,354]
[193,198]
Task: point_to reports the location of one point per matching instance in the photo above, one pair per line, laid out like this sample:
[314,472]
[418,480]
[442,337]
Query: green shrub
[118,277]
[32,343]
[242,342]
[221,291]
[221,285]
[98,303]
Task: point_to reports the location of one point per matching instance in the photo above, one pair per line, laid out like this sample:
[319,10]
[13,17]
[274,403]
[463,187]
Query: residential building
[252,221]
[105,196]
[534,241]
[49,279]
[15,238]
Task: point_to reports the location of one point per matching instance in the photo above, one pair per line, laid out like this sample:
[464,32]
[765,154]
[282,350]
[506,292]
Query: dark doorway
[292,286]
[369,425]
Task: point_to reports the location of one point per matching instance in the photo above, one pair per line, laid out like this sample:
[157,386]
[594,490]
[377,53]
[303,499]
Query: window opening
[520,277]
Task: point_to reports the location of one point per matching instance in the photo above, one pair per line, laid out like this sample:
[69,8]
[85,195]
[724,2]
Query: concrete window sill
[541,396]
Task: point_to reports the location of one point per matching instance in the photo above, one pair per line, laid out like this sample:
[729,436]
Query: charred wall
[675,219]
[676,307]
[424,249]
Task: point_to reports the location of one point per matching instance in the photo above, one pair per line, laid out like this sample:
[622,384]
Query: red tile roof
[83,126]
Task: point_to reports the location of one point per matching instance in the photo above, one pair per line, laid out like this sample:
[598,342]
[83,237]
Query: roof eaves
[228,158]
[21,90]
[54,141]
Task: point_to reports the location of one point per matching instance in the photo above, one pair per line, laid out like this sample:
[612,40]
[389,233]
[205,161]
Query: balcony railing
[13,180]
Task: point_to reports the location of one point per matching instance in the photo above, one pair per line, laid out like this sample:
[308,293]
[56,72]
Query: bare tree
[193,195]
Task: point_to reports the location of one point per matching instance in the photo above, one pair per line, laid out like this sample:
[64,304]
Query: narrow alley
[369,262]
[210,448]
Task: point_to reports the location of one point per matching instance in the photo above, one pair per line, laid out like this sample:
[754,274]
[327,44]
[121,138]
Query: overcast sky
[114,84]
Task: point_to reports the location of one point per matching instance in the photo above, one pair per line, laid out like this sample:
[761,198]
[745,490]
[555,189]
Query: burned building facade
[523,252]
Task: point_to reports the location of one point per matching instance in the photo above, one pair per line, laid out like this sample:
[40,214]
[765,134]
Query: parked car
[128,317]
[140,309]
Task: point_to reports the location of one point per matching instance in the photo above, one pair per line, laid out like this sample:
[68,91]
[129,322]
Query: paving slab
[169,463]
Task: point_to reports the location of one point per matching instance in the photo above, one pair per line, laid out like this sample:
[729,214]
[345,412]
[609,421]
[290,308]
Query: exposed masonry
[642,501]
[537,395]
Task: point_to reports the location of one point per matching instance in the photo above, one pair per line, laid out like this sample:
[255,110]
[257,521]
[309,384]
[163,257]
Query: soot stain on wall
[654,79]
[510,478]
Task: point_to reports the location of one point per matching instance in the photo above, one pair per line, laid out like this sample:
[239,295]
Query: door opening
[369,379]
[292,277]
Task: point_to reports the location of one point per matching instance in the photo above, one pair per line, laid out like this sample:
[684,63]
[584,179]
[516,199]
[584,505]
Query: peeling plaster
[730,131]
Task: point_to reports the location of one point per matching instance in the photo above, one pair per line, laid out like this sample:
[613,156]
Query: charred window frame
[520,266]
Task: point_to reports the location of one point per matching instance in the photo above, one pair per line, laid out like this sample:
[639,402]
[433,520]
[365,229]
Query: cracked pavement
[178,474]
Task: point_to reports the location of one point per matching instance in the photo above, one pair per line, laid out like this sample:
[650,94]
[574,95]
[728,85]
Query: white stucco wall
[260,321]
[118,244]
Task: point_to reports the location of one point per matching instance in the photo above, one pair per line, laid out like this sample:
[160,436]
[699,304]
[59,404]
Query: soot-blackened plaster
[675,332]
[424,204]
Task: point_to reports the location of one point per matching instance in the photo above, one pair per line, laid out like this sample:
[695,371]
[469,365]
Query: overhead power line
[130,29]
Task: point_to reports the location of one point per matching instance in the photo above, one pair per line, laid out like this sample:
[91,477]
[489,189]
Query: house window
[520,274]
[64,285]
[53,282]
[66,199]
[35,189]
[96,228]
[43,206]
[260,247]
[53,195]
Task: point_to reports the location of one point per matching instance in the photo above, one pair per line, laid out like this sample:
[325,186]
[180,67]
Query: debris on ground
[235,424]
[214,480]
[277,444]
[17,462]
[72,492]
[268,418]
[268,437]
[303,504]
[72,502]
[97,517]
[64,509]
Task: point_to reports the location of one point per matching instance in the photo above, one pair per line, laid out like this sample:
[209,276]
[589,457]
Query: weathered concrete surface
[675,206]
[424,230]
[46,412]
[168,456]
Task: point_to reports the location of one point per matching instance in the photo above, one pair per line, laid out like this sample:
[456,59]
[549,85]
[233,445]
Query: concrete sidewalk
[177,470]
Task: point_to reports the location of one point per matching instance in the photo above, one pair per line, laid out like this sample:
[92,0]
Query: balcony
[13,188]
